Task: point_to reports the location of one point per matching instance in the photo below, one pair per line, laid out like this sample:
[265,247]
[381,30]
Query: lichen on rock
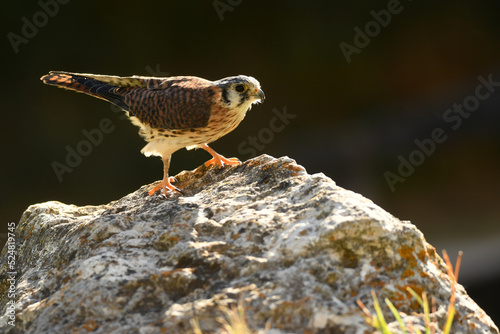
[295,248]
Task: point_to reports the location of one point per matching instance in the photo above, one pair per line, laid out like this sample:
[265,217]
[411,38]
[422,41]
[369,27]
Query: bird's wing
[170,103]
[173,103]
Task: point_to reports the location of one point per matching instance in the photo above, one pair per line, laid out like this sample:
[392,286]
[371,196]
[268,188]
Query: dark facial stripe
[224,96]
[243,98]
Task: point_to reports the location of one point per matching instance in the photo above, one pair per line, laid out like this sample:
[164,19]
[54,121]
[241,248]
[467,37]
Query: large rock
[295,248]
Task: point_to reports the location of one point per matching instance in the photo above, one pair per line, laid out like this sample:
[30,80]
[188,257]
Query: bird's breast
[166,141]
[224,120]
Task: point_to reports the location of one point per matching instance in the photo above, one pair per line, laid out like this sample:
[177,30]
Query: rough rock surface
[295,248]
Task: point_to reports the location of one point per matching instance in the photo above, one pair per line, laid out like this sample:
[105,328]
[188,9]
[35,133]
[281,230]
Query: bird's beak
[259,94]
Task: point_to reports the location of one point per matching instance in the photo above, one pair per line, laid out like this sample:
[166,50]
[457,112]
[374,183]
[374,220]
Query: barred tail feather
[82,84]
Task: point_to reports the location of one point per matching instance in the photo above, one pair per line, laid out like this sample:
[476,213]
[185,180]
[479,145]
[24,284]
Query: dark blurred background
[356,116]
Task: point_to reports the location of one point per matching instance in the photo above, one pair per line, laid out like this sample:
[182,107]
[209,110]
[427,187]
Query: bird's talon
[211,162]
[234,161]
[221,162]
[163,186]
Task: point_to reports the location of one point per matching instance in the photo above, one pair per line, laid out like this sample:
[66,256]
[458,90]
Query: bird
[172,112]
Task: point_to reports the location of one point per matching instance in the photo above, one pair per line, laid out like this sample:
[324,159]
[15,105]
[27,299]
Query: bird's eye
[240,88]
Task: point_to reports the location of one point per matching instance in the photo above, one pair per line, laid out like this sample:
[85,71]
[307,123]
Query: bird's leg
[218,159]
[165,183]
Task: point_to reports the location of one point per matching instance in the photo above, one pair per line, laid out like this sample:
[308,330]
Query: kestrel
[172,112]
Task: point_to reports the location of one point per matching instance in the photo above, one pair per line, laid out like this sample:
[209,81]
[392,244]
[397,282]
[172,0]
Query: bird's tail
[98,86]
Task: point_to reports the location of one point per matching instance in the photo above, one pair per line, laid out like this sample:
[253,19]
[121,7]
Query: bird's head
[240,91]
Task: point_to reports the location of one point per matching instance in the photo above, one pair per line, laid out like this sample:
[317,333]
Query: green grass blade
[396,315]
[427,313]
[449,319]
[382,325]
[416,296]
